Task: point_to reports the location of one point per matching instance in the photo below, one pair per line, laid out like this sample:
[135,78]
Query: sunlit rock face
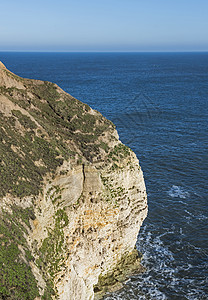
[71,193]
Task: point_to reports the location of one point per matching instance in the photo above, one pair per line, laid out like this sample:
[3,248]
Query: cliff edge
[73,196]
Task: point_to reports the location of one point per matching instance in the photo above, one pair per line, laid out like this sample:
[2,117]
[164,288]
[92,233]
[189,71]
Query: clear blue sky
[104,25]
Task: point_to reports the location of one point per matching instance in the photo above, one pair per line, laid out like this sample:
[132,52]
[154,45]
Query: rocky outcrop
[73,196]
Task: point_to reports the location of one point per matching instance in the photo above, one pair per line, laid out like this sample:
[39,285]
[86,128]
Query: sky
[104,25]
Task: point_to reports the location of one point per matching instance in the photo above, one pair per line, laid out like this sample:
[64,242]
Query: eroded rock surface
[72,195]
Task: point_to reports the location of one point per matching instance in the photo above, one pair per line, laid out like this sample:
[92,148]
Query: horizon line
[97,51]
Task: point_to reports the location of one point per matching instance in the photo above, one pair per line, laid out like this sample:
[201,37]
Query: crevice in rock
[83,171]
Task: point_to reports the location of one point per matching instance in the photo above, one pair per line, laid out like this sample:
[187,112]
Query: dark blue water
[159,103]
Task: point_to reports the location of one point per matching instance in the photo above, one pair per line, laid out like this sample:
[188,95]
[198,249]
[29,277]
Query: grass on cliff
[64,122]
[51,253]
[20,176]
[16,278]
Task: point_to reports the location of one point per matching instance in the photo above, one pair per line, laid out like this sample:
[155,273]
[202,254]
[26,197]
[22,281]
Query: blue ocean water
[159,103]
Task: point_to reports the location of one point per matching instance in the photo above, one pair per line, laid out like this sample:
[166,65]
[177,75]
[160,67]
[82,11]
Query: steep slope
[72,195]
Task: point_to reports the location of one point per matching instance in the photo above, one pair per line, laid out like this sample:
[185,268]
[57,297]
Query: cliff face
[72,195]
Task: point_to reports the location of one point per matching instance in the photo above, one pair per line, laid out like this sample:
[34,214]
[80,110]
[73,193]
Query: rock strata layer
[73,196]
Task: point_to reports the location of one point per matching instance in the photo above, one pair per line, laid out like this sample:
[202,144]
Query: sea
[159,104]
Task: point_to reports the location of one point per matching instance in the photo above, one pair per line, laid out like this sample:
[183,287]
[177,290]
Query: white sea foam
[178,192]
[202,217]
[199,216]
[163,273]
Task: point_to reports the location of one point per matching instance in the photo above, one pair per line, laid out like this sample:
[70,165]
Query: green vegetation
[24,120]
[54,193]
[119,152]
[63,121]
[125,267]
[104,146]
[16,278]
[113,192]
[46,90]
[51,259]
[19,174]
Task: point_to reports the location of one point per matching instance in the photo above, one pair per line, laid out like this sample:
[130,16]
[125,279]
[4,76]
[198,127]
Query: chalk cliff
[72,195]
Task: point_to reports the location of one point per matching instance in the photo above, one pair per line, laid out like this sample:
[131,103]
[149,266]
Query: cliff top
[2,66]
[41,126]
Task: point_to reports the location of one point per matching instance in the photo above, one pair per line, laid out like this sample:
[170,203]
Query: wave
[198,217]
[178,192]
[165,277]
